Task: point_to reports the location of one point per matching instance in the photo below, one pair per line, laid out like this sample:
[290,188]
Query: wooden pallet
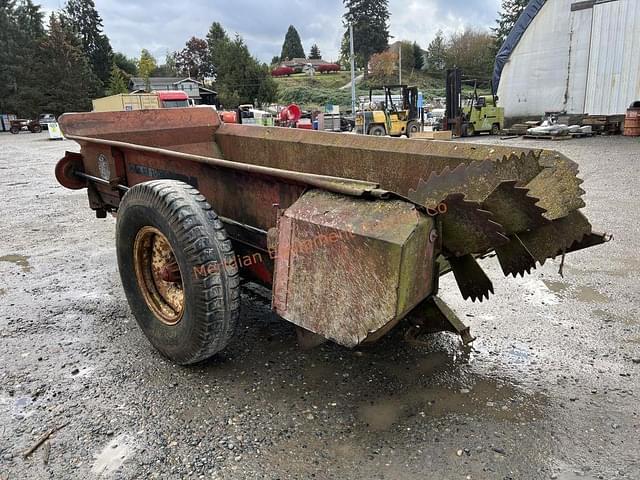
[581,134]
[548,137]
[604,124]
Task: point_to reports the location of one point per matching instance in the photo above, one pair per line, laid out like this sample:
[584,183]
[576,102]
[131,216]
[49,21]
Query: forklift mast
[409,98]
[453,113]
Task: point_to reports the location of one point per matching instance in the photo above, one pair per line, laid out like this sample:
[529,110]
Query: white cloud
[165,26]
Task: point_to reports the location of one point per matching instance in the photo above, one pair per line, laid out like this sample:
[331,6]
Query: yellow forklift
[479,115]
[387,117]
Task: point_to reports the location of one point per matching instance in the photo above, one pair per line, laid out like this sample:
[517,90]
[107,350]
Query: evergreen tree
[60,61]
[436,55]
[275,60]
[146,66]
[508,15]
[29,19]
[119,82]
[408,60]
[124,63]
[314,53]
[84,21]
[21,31]
[8,59]
[241,78]
[418,57]
[370,20]
[216,38]
[292,46]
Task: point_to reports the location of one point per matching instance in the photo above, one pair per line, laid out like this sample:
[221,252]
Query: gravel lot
[550,389]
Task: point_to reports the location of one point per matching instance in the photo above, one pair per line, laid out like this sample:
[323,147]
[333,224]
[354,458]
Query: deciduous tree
[193,60]
[168,68]
[384,67]
[146,66]
[473,52]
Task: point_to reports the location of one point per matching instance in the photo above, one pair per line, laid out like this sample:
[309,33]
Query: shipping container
[126,102]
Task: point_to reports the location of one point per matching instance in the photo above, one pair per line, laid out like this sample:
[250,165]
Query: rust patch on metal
[158,275]
[347,267]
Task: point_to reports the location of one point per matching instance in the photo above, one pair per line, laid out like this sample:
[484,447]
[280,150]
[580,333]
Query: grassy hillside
[325,80]
[317,91]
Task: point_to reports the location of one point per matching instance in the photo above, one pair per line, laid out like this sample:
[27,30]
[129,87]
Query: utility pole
[400,63]
[353,71]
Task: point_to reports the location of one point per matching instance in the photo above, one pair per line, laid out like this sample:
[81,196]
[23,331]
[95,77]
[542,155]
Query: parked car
[45,119]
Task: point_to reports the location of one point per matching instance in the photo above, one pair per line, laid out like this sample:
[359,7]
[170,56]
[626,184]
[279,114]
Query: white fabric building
[573,56]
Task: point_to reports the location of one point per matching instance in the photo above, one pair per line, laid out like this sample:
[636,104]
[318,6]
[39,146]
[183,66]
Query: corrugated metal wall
[534,79]
[614,62]
[581,61]
[579,51]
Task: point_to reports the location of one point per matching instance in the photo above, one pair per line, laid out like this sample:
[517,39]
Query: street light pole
[400,64]
[353,71]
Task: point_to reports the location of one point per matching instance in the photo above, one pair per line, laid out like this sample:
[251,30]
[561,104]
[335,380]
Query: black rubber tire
[198,239]
[412,128]
[495,129]
[377,131]
[14,130]
[36,129]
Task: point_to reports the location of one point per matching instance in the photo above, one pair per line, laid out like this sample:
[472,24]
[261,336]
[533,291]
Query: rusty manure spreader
[351,233]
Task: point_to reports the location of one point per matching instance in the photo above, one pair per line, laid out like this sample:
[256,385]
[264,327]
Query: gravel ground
[548,390]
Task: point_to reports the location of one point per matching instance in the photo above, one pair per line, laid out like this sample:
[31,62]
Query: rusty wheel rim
[158,275]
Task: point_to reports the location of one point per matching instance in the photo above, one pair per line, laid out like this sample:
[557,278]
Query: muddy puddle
[556,287]
[20,407]
[610,317]
[620,270]
[20,260]
[486,397]
[582,293]
[113,455]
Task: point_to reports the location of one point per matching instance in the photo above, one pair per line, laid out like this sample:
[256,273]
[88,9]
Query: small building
[574,56]
[302,62]
[198,93]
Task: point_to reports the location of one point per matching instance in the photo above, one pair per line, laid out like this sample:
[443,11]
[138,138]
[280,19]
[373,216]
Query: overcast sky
[165,25]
